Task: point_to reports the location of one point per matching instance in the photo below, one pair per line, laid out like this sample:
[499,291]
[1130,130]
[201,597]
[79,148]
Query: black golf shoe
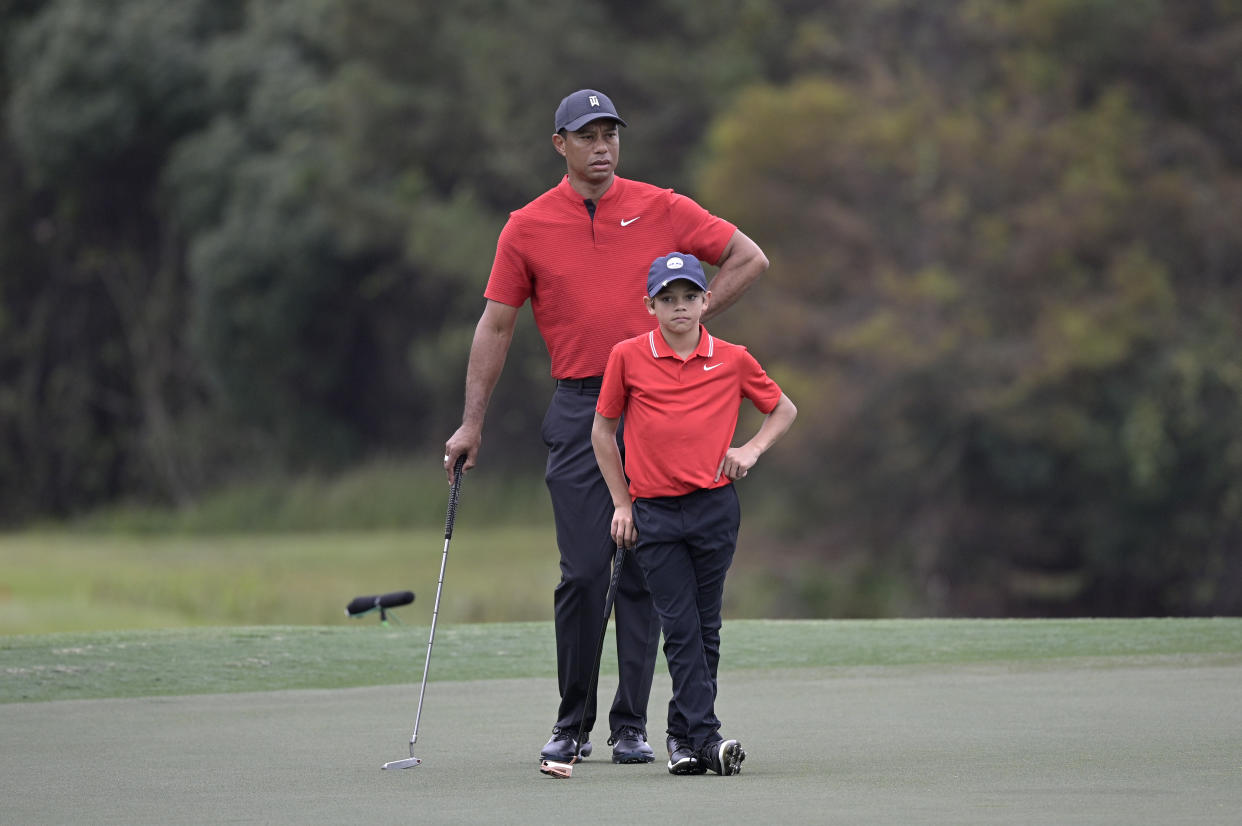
[629,745]
[682,759]
[724,757]
[561,747]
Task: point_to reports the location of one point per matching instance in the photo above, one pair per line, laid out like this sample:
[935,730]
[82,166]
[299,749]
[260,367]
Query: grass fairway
[224,660]
[868,722]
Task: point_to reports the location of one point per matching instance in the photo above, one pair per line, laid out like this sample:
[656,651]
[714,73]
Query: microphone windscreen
[396,598]
[360,605]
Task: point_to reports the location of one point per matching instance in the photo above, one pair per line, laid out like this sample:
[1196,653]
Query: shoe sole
[633,757]
[731,755]
[686,766]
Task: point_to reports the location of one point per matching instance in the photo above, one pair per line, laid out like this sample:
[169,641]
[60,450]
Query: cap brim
[660,285]
[577,123]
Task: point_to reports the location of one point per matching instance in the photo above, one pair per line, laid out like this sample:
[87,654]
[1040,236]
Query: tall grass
[383,494]
[55,581]
[294,551]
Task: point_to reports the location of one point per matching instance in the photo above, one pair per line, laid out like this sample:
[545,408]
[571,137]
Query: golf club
[555,768]
[412,761]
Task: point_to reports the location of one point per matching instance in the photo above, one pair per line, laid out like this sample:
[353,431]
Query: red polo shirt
[680,415]
[585,277]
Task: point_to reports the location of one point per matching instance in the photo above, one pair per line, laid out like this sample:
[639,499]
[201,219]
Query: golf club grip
[454,492]
[613,584]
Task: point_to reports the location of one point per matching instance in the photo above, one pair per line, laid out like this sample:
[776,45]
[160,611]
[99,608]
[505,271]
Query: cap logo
[594,100]
[674,263]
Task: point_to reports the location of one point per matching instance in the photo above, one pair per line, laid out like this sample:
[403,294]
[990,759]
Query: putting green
[1101,741]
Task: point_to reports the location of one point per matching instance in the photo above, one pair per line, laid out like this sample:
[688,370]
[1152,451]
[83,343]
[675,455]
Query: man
[580,253]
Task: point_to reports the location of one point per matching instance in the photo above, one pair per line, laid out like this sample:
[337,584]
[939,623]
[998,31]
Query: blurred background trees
[240,237]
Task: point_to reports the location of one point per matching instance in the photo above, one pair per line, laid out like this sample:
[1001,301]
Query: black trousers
[685,547]
[583,510]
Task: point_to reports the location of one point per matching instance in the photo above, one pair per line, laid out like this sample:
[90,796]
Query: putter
[412,761]
[555,768]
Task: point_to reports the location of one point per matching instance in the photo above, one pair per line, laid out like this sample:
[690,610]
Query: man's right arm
[492,337]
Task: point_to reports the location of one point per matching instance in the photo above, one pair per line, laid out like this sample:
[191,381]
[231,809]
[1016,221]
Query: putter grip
[617,561]
[453,494]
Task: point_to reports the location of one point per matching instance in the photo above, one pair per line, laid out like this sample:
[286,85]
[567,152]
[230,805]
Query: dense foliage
[248,235]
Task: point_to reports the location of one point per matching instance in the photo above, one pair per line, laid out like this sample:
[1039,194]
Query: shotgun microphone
[361,605]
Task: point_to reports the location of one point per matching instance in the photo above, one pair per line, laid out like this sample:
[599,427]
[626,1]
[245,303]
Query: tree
[1007,317]
[103,91]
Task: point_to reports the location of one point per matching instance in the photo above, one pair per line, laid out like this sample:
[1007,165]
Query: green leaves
[1001,260]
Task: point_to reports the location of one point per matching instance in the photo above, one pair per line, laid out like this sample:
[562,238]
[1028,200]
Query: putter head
[407,763]
[561,771]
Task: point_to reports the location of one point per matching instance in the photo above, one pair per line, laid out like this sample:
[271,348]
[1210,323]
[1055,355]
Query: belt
[589,383]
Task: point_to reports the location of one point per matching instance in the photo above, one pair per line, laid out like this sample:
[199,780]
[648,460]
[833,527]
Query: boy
[679,390]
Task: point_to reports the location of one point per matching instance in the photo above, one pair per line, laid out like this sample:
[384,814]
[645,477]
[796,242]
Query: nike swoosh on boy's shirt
[707,367]
[627,222]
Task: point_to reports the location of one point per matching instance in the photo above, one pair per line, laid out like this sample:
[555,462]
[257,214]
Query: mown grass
[222,660]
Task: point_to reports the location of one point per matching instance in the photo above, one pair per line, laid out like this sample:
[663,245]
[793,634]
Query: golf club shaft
[617,562]
[435,612]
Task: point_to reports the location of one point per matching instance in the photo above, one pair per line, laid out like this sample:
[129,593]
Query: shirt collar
[569,192]
[660,349]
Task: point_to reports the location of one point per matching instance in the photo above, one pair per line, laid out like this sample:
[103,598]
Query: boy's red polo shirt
[586,278]
[680,416]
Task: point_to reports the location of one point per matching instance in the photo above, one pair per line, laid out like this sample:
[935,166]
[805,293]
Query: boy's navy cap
[582,107]
[674,267]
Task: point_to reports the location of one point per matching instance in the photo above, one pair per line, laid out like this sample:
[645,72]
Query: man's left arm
[741,264]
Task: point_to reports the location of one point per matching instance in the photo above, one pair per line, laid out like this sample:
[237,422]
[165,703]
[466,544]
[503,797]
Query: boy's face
[679,306]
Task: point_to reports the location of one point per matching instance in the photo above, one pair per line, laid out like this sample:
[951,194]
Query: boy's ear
[650,302]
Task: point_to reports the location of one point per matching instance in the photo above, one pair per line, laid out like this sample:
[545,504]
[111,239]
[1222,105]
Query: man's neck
[591,191]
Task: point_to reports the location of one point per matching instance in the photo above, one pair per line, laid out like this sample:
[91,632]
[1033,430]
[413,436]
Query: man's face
[592,152]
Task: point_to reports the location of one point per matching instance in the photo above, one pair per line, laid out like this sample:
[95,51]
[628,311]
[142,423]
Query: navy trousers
[582,507]
[685,547]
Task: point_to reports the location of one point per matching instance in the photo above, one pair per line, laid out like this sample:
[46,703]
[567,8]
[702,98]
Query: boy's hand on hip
[737,462]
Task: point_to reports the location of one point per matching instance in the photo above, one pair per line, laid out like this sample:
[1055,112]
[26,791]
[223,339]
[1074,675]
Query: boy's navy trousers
[685,547]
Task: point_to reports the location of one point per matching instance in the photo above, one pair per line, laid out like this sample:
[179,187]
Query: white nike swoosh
[626,223]
[707,367]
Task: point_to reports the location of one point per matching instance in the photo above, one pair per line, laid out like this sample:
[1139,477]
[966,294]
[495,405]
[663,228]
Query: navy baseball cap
[582,107]
[674,267]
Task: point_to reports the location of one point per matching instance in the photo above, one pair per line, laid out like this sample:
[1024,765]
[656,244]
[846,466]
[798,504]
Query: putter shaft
[450,517]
